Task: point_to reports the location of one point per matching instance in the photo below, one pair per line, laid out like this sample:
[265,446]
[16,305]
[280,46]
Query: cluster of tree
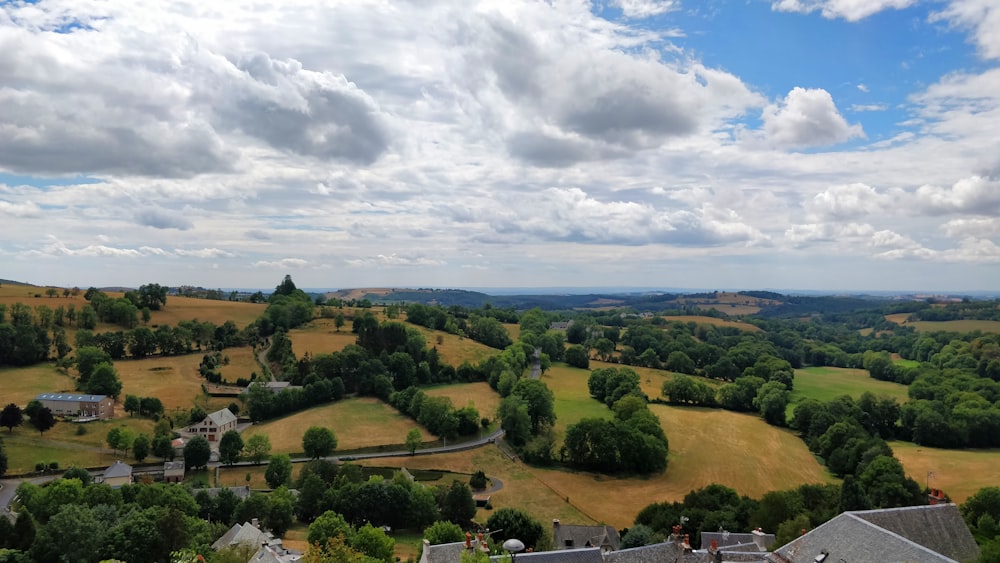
[436,414]
[481,325]
[24,338]
[632,442]
[210,365]
[97,373]
[747,393]
[264,404]
[609,385]
[186,337]
[287,308]
[967,309]
[337,540]
[981,512]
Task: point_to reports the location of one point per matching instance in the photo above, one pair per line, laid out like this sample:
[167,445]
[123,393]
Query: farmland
[481,395]
[714,321]
[965,325]
[960,473]
[826,383]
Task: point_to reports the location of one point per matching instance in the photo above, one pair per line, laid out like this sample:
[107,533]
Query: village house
[99,407]
[214,425]
[173,471]
[268,549]
[570,536]
[120,473]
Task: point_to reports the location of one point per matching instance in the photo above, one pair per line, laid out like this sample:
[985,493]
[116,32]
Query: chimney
[759,539]
[255,523]
[555,522]
[468,540]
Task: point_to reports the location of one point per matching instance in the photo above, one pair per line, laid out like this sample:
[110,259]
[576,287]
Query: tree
[279,471]
[413,440]
[443,531]
[140,447]
[197,452]
[318,442]
[637,536]
[162,447]
[515,420]
[513,523]
[338,321]
[335,550]
[11,416]
[43,420]
[329,525]
[541,402]
[478,481]
[280,511]
[257,448]
[852,495]
[113,438]
[457,504]
[230,447]
[88,358]
[772,401]
[374,543]
[132,404]
[104,381]
[577,357]
[309,503]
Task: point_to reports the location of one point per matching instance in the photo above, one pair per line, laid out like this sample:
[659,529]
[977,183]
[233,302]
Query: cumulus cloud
[807,118]
[646,8]
[848,201]
[972,227]
[159,218]
[868,107]
[204,253]
[26,209]
[258,234]
[863,88]
[975,195]
[807,234]
[850,10]
[572,98]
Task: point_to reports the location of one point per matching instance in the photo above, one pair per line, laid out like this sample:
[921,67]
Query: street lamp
[513,546]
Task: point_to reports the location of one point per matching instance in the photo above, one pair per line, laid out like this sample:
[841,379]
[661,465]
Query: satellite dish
[513,545]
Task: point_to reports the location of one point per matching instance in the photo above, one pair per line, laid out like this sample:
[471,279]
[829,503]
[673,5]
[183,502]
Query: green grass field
[947,326]
[827,383]
[960,473]
[25,447]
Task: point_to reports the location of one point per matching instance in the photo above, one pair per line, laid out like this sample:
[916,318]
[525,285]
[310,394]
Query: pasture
[25,447]
[965,325]
[320,336]
[827,383]
[358,423]
[960,473]
[22,384]
[454,349]
[479,394]
[173,379]
[703,320]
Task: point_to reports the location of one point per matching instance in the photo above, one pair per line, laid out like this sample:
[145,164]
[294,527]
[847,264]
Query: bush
[478,480]
[40,466]
[81,430]
[53,465]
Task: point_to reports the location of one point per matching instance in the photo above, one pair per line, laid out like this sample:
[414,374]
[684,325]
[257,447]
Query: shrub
[81,430]
[53,465]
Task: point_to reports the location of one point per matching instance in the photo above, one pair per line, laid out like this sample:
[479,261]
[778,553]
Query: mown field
[827,383]
[960,473]
[703,320]
[20,385]
[321,337]
[358,423]
[455,349]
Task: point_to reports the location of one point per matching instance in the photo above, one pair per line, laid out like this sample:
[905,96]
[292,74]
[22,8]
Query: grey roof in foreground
[585,555]
[656,553]
[118,469]
[876,536]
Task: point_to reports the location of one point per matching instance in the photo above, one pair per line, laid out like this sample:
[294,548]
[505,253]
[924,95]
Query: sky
[840,145]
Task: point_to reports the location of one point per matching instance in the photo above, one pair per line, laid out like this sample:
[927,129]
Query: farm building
[931,534]
[215,425]
[73,404]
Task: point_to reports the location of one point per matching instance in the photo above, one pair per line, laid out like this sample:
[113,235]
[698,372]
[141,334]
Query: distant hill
[12,282]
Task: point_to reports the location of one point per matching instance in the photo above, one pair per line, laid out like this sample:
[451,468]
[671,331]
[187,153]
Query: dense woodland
[953,380]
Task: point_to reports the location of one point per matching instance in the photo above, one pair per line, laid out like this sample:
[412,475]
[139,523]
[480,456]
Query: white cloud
[159,218]
[204,253]
[646,8]
[807,118]
[868,107]
[863,88]
[283,264]
[383,260]
[974,227]
[850,10]
[975,195]
[982,17]
[26,209]
[848,201]
[808,234]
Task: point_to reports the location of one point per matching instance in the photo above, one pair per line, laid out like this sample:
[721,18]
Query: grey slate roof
[584,536]
[667,552]
[731,539]
[584,555]
[241,492]
[173,467]
[244,534]
[70,397]
[443,552]
[877,536]
[118,469]
[222,417]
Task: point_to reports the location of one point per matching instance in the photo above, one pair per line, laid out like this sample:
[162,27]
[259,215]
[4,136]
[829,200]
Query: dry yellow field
[960,473]
[215,311]
[514,330]
[358,423]
[699,319]
[320,336]
[173,379]
[480,394]
[20,385]
[454,349]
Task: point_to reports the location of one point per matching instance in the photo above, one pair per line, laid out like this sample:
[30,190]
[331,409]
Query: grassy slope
[481,395]
[357,423]
[827,383]
[698,319]
[960,473]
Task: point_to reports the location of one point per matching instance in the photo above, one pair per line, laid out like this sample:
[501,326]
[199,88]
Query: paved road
[536,370]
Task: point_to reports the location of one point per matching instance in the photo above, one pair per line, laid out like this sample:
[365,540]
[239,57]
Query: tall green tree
[43,420]
[279,471]
[140,447]
[11,416]
[197,452]
[230,447]
[514,523]
[413,440]
[318,442]
[257,448]
[457,504]
[329,525]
